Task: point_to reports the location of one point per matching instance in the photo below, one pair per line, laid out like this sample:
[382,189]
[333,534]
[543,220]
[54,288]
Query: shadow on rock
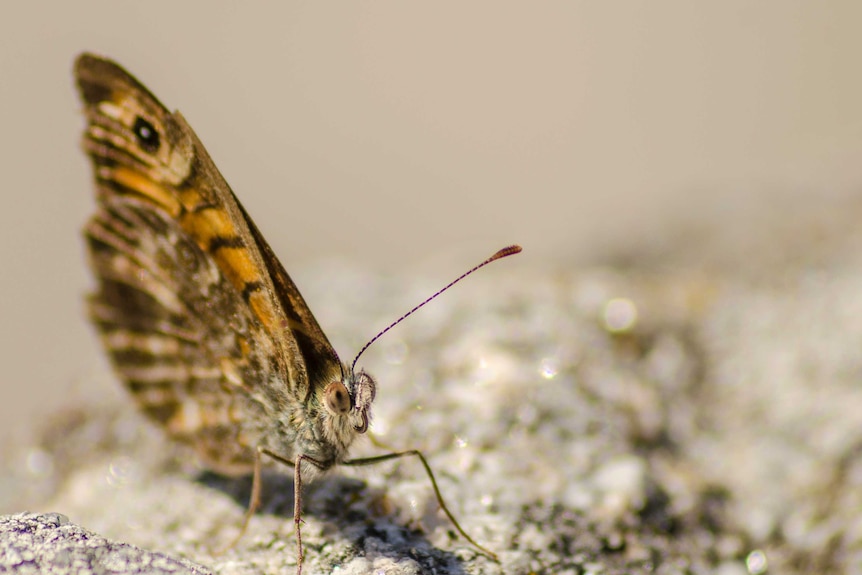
[351,511]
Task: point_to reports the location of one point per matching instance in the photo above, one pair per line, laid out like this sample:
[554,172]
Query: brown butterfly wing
[199,317]
[321,361]
[153,306]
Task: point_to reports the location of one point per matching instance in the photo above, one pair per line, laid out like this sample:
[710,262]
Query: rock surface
[49,543]
[679,416]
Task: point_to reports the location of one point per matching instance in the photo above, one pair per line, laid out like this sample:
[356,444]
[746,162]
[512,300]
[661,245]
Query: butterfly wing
[199,317]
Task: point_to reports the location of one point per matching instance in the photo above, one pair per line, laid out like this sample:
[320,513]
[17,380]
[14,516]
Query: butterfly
[199,318]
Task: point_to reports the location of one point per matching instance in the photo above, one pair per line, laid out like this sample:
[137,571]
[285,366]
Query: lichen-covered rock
[49,543]
[609,421]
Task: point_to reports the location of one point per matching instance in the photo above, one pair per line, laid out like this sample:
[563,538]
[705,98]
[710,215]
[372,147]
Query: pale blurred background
[389,134]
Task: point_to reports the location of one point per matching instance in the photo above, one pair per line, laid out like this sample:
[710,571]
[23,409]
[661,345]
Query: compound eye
[337,399]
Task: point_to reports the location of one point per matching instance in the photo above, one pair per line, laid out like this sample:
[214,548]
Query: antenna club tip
[507,251]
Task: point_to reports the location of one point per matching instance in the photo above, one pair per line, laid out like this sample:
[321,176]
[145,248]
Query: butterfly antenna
[505,252]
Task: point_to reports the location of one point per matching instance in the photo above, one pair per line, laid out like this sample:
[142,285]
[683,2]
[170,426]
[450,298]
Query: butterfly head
[352,397]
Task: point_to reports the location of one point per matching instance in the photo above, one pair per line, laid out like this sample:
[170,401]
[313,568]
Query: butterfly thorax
[326,423]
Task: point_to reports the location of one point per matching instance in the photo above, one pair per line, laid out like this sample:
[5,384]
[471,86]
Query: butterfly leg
[297,501]
[253,503]
[417,453]
[297,495]
[254,498]
[297,512]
